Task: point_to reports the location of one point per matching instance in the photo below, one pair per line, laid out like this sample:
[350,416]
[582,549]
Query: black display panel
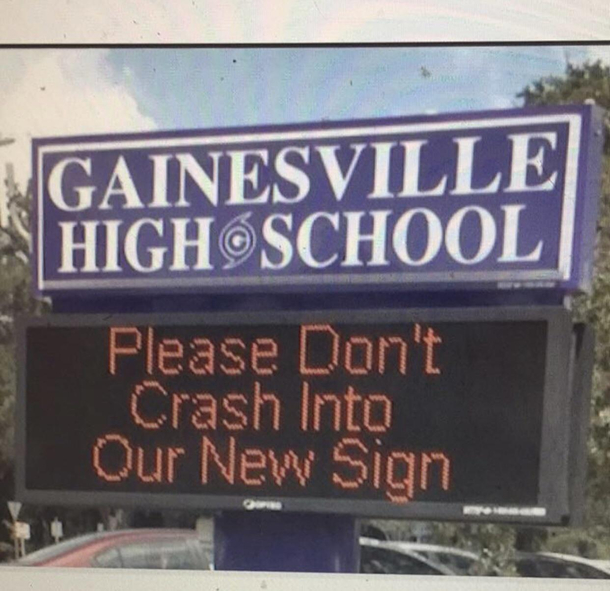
[441,413]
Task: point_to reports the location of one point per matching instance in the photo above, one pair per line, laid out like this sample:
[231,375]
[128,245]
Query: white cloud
[54,93]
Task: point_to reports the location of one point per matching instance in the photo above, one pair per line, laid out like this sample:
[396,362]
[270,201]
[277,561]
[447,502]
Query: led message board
[484,200]
[433,413]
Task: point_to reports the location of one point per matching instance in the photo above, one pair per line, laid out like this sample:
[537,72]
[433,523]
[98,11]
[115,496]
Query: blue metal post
[295,542]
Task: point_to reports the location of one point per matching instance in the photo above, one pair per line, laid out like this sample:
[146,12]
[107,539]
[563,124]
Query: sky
[56,92]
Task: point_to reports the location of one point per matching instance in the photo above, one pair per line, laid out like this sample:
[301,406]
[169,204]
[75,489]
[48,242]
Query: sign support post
[290,542]
[57,530]
[15,541]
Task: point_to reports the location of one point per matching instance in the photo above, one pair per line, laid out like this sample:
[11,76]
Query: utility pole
[14,508]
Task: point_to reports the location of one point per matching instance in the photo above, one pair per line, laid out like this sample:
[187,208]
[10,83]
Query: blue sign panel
[489,200]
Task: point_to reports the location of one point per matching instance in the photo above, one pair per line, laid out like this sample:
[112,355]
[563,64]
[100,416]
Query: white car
[381,557]
[551,565]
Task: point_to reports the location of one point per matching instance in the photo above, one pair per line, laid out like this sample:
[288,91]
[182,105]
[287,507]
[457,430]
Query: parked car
[550,565]
[131,548]
[459,561]
[600,563]
[381,557]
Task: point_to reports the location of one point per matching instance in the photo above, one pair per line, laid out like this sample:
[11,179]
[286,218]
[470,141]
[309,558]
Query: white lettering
[240,177]
[521,162]
[410,181]
[292,174]
[85,194]
[465,167]
[157,253]
[160,180]
[201,243]
[434,237]
[304,239]
[454,229]
[338,180]
[278,241]
[69,246]
[354,237]
[381,187]
[112,246]
[511,234]
[208,186]
[126,187]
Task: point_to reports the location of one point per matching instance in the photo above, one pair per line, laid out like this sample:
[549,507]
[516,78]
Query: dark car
[381,557]
[135,548]
[459,561]
[549,565]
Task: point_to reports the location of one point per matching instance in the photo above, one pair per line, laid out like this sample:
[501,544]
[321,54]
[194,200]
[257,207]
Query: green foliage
[493,543]
[15,298]
[7,404]
[577,542]
[580,84]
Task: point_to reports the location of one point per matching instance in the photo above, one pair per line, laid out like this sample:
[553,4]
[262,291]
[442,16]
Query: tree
[586,83]
[15,298]
[591,83]
[581,84]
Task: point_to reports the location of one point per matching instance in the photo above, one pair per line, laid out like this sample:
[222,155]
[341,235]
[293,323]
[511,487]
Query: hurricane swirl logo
[237,241]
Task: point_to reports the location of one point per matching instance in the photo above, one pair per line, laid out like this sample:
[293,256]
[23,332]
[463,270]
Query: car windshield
[385,561]
[542,566]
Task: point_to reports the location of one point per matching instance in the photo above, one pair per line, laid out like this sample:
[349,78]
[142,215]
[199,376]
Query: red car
[130,548]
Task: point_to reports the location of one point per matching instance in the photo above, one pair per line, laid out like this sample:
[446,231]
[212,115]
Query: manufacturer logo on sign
[254,504]
[237,241]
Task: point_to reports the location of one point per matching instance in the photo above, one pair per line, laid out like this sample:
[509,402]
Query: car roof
[416,546]
[384,544]
[601,563]
[101,540]
[580,559]
[552,556]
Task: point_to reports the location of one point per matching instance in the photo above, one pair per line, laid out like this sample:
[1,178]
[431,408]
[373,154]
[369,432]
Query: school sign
[497,199]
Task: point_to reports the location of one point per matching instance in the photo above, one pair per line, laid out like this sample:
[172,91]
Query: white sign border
[561,272]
